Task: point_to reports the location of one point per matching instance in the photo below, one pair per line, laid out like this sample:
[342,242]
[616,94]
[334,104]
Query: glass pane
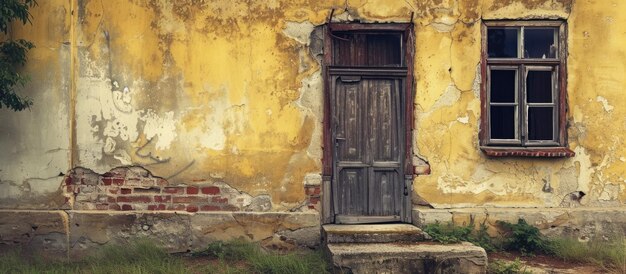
[502,85]
[539,86]
[539,43]
[540,123]
[502,42]
[503,122]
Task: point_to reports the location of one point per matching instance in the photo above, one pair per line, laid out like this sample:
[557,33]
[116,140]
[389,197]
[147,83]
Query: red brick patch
[162,198]
[192,208]
[189,199]
[192,190]
[210,190]
[134,199]
[174,190]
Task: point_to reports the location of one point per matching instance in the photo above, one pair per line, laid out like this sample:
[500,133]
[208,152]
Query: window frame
[521,145]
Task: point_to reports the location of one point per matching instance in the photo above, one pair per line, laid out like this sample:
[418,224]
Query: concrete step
[362,258]
[378,233]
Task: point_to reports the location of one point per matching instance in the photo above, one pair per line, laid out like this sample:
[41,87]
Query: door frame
[328,211]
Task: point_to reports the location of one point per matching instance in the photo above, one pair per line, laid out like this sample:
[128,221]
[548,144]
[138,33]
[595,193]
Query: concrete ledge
[407,258]
[379,233]
[76,233]
[583,223]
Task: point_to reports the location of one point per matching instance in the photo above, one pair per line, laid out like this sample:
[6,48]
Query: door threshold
[347,219]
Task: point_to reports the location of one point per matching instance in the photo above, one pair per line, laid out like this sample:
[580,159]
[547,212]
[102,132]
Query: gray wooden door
[367,125]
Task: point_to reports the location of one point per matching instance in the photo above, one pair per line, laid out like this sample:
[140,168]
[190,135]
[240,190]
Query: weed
[449,233]
[502,267]
[524,238]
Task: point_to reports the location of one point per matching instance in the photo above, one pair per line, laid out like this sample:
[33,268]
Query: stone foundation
[75,233]
[581,223]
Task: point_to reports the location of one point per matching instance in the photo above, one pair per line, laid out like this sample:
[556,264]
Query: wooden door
[368,125]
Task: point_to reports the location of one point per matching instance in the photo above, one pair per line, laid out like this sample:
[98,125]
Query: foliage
[13,54]
[502,267]
[137,257]
[143,256]
[610,253]
[261,261]
[524,238]
[449,233]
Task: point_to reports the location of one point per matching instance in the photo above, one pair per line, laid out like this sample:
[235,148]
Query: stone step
[378,233]
[361,258]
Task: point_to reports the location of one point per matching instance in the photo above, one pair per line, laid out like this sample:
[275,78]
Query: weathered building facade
[193,121]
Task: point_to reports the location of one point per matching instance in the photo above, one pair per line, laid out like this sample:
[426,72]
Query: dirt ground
[542,264]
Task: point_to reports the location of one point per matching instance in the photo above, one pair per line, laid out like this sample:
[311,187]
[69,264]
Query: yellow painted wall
[227,91]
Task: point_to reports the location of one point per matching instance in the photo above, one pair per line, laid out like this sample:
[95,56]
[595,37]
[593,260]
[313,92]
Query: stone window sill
[542,152]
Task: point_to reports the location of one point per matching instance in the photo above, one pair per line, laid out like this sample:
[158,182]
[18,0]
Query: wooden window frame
[521,146]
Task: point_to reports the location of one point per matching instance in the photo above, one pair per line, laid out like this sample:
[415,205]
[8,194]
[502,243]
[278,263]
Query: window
[523,92]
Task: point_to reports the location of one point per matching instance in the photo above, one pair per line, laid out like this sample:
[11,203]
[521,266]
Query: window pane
[364,49]
[502,85]
[539,43]
[540,124]
[539,86]
[502,42]
[503,122]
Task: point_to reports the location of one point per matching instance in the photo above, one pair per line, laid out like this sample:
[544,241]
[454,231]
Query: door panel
[367,117]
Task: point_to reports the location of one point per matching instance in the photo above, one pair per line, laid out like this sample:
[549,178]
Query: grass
[610,253]
[261,261]
[145,257]
[526,239]
[449,233]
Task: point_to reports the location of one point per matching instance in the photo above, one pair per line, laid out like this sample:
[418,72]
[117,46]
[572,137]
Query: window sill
[544,152]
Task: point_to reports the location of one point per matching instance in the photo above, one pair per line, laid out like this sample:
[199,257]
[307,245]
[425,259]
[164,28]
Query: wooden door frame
[328,211]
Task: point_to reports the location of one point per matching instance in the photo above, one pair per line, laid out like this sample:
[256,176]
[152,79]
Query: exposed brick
[113,190]
[174,190]
[219,200]
[210,190]
[314,200]
[102,206]
[69,189]
[151,190]
[189,199]
[209,208]
[126,191]
[176,207]
[192,208]
[192,190]
[127,207]
[134,199]
[163,198]
[148,181]
[118,181]
[133,182]
[161,182]
[111,199]
[107,181]
[313,190]
[114,207]
[156,207]
[68,180]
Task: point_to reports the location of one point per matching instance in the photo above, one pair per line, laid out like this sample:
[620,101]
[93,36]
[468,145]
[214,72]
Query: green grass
[450,233]
[610,253]
[261,261]
[145,257]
